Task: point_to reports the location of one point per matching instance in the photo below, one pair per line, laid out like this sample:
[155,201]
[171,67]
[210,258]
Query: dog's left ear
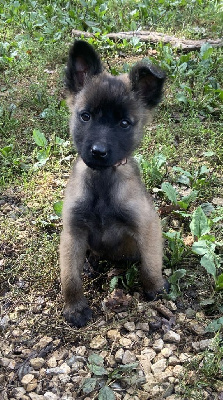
[147,81]
[83,63]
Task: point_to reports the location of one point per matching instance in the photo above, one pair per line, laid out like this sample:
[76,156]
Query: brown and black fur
[106,207]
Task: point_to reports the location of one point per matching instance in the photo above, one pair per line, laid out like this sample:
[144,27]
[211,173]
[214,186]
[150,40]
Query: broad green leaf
[206,51]
[58,206]
[190,197]
[89,385]
[215,325]
[170,192]
[181,98]
[39,138]
[95,359]
[6,150]
[199,224]
[98,369]
[219,282]
[106,394]
[207,261]
[200,247]
[178,274]
[129,366]
[203,170]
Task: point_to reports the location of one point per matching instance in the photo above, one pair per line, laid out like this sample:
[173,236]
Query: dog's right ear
[83,62]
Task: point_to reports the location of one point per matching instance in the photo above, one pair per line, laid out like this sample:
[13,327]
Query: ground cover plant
[181,163]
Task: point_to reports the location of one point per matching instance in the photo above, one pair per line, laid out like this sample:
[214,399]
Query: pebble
[158,345]
[52,362]
[173,360]
[35,396]
[43,342]
[166,352]
[18,392]
[63,369]
[98,342]
[143,326]
[37,363]
[159,366]
[27,379]
[113,334]
[171,336]
[125,342]
[128,357]
[32,385]
[130,326]
[50,396]
[149,353]
[119,354]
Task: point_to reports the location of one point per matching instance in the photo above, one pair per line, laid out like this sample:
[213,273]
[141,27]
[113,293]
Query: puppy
[106,206]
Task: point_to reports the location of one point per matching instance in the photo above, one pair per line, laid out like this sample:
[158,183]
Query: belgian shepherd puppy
[106,207]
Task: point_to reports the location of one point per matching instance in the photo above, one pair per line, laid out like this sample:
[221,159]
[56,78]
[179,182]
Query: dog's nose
[98,151]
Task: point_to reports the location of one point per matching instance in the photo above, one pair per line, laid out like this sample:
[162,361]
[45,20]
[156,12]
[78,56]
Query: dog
[106,207]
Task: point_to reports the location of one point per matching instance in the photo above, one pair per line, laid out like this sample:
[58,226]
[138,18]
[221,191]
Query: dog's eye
[124,123]
[85,116]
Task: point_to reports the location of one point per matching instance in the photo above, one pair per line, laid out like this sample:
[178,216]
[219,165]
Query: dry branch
[156,37]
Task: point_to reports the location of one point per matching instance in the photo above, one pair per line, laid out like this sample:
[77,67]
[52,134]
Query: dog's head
[107,112]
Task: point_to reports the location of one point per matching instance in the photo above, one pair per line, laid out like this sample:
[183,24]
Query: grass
[187,130]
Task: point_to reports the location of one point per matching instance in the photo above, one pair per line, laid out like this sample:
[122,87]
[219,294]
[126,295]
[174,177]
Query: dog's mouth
[97,166]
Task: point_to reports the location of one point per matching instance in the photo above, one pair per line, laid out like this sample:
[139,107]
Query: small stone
[119,354]
[197,329]
[18,392]
[4,362]
[205,344]
[113,334]
[62,369]
[143,326]
[50,396]
[27,379]
[128,357]
[166,352]
[171,336]
[32,385]
[81,350]
[140,333]
[52,362]
[125,342]
[130,326]
[159,366]
[37,363]
[43,342]
[173,360]
[149,353]
[64,378]
[177,370]
[111,361]
[35,396]
[158,345]
[98,342]
[183,357]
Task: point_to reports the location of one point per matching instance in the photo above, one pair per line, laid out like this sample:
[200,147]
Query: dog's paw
[154,295]
[77,317]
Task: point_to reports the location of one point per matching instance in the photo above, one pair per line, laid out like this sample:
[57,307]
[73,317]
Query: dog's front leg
[72,256]
[151,249]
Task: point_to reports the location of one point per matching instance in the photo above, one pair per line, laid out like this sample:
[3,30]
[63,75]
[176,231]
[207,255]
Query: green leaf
[219,282]
[190,197]
[89,385]
[95,359]
[39,138]
[58,206]
[177,275]
[6,150]
[98,370]
[200,247]
[106,394]
[170,192]
[208,262]
[215,325]
[199,224]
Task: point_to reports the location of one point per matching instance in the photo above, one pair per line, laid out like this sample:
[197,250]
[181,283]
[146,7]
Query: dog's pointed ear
[83,62]
[147,82]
